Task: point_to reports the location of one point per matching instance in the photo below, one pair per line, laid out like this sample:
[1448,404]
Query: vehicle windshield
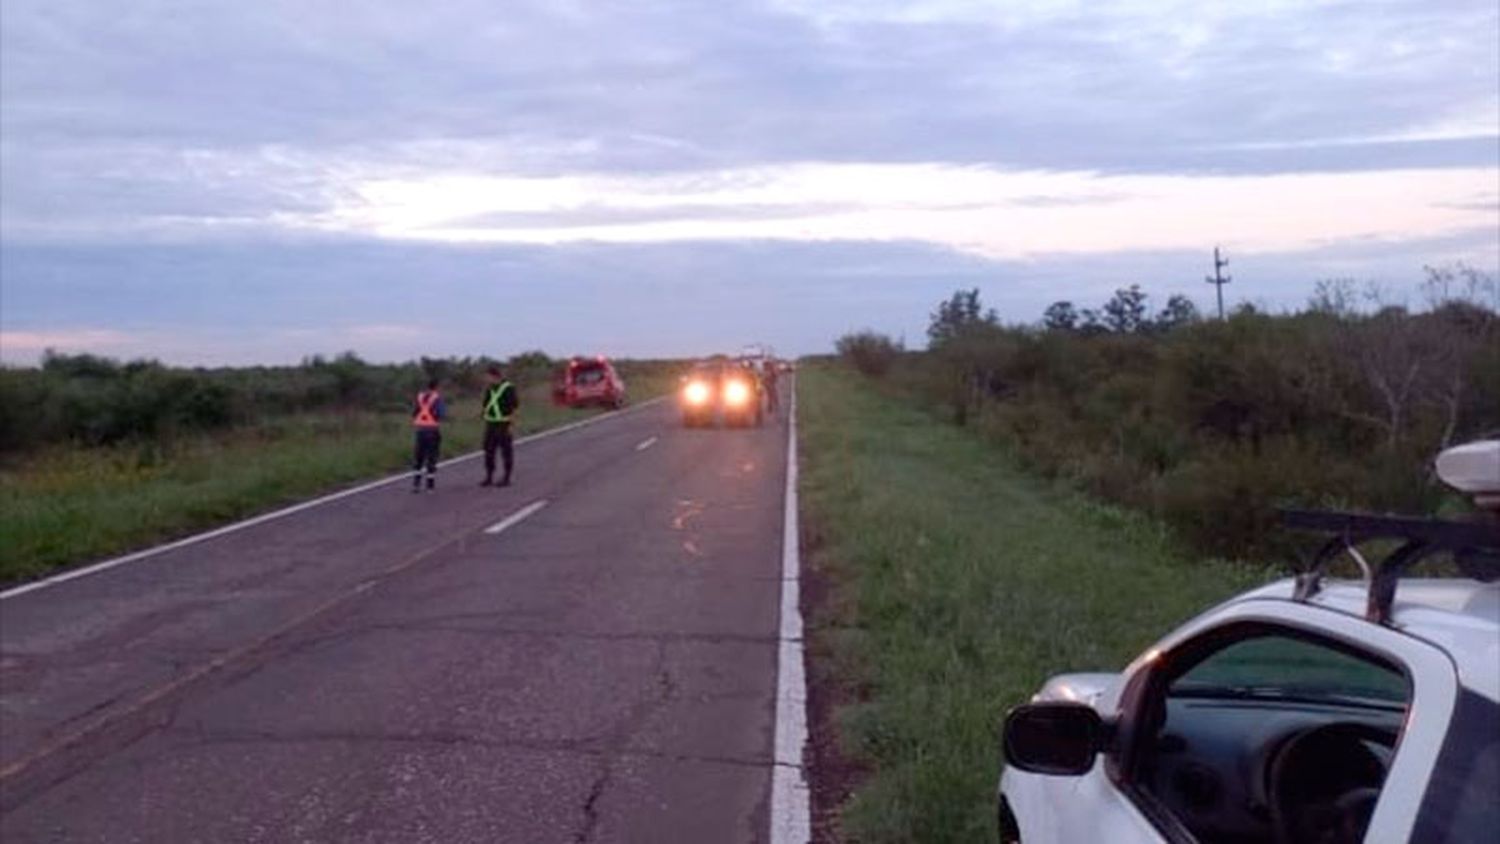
[1290,669]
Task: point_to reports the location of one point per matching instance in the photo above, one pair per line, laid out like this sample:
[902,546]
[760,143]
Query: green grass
[70,505]
[959,586]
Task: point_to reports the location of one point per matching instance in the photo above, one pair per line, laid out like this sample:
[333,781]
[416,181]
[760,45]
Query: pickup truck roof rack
[1474,547]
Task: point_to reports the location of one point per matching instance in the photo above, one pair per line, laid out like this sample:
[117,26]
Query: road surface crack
[616,743]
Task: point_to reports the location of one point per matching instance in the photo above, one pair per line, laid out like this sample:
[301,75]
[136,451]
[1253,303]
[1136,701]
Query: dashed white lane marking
[105,565]
[516,518]
[645,444]
[791,809]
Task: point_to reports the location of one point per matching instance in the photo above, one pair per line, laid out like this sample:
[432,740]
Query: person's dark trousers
[497,436]
[429,441]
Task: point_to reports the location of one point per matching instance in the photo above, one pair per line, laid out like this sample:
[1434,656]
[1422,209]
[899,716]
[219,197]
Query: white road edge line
[646,443]
[105,565]
[791,809]
[517,517]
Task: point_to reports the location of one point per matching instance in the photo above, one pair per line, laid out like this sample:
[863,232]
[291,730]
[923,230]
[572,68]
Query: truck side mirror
[1056,738]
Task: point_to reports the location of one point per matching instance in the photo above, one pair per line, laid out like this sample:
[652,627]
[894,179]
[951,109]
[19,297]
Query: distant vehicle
[758,356]
[721,392]
[1297,712]
[756,352]
[586,382]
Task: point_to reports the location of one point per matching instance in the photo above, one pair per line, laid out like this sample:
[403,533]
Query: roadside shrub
[1211,425]
[1110,475]
[1213,500]
[95,401]
[206,406]
[533,361]
[871,352]
[974,360]
[1038,430]
[25,410]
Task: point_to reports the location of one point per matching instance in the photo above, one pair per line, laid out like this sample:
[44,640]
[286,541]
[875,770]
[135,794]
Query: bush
[871,353]
[25,410]
[533,361]
[1211,425]
[95,401]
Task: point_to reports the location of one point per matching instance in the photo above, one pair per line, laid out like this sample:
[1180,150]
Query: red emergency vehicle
[586,382]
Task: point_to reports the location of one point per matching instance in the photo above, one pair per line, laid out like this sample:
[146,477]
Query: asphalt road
[380,668]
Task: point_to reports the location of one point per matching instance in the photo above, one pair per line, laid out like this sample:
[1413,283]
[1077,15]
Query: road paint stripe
[645,444]
[791,809]
[106,565]
[516,518]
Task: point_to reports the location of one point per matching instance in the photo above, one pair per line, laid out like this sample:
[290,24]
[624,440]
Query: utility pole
[1218,279]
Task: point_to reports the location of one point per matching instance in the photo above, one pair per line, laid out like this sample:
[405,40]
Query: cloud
[238,303]
[983,210]
[663,85]
[28,346]
[227,344]
[202,121]
[239,164]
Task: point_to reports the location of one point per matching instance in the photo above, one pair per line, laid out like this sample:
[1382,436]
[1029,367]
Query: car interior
[1273,738]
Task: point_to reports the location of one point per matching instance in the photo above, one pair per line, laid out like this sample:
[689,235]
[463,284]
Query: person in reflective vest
[427,416]
[499,408]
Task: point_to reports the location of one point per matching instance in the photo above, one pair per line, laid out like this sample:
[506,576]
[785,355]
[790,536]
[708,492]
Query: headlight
[736,392]
[696,392]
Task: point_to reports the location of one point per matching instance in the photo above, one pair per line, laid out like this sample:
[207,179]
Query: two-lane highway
[589,655]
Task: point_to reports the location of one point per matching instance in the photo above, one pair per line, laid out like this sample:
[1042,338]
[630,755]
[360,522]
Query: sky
[225,183]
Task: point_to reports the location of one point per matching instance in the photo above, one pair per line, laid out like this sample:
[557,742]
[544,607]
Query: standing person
[500,403]
[427,416]
[773,398]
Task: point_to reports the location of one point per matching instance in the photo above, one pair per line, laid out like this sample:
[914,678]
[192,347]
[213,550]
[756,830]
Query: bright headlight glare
[696,392]
[736,392]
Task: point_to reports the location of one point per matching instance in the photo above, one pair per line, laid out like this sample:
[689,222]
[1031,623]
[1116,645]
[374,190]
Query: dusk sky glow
[255,182]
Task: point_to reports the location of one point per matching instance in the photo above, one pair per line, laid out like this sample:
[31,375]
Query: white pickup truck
[1304,711]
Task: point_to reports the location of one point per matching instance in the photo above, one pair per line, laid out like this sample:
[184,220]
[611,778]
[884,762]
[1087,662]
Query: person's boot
[416,483]
[489,480]
[431,483]
[505,481]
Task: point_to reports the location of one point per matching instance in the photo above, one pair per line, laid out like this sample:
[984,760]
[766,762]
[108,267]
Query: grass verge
[956,585]
[69,505]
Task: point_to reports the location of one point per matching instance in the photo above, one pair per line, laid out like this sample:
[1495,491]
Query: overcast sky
[224,182]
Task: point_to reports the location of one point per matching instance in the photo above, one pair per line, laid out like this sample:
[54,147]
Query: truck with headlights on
[722,393]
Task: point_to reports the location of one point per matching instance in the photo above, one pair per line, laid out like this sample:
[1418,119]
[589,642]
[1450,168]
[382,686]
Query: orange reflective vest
[426,416]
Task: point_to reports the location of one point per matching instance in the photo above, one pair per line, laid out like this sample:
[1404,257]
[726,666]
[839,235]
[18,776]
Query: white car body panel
[1078,688]
[1444,632]
[1075,809]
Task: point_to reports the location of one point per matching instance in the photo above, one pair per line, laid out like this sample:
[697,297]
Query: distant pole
[1218,279]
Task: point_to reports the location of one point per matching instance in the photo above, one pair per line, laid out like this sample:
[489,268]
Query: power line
[1218,279]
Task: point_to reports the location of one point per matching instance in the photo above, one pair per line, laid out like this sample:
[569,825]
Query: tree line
[91,400]
[1210,425]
